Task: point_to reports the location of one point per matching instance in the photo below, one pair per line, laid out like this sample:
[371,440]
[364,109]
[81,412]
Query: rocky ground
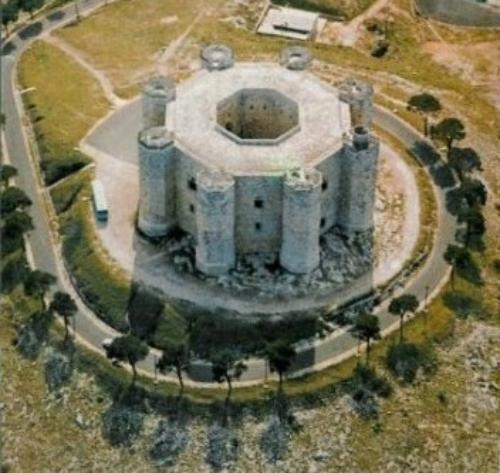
[446,423]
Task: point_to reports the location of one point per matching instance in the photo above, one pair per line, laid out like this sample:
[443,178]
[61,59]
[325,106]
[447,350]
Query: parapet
[161,88]
[296,58]
[155,138]
[217,57]
[156,94]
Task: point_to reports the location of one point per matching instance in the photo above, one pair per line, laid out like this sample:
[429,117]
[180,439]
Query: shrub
[462,304]
[406,359]
[144,311]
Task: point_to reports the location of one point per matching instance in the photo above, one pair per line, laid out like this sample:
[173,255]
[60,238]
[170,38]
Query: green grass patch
[103,287]
[65,101]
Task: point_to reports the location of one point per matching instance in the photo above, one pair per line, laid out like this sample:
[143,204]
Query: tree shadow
[59,365]
[56,16]
[122,422]
[31,31]
[33,335]
[8,48]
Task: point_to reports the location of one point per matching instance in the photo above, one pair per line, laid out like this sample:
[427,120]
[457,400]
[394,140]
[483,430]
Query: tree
[448,130]
[463,161]
[7,172]
[175,357]
[37,283]
[473,192]
[475,226]
[65,306]
[227,367]
[17,224]
[458,258]
[10,14]
[128,348]
[280,355]
[12,199]
[366,328]
[30,5]
[400,306]
[425,104]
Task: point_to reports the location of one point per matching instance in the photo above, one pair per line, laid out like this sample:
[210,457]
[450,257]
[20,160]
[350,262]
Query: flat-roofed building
[290,22]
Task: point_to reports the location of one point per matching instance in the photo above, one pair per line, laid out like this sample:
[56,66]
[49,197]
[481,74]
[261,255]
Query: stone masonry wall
[215,250]
[301,220]
[157,182]
[359,171]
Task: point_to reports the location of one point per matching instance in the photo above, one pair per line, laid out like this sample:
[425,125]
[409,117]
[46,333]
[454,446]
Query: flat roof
[323,119]
[290,22]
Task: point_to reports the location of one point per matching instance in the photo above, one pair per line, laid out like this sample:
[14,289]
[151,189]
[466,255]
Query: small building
[99,200]
[290,23]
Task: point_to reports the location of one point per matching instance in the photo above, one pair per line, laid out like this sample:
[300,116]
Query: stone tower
[301,220]
[156,95]
[157,181]
[215,207]
[359,171]
[359,95]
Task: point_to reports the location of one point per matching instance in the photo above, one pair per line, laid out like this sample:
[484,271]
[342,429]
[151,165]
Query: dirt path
[349,34]
[177,44]
[103,80]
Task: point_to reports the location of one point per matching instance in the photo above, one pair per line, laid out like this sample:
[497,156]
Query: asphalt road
[90,330]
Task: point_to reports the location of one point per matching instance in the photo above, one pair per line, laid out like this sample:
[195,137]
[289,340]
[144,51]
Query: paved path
[47,256]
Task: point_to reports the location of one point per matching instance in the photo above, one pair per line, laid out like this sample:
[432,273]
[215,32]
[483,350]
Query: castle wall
[301,220]
[330,170]
[186,191]
[259,202]
[215,210]
[359,175]
[157,182]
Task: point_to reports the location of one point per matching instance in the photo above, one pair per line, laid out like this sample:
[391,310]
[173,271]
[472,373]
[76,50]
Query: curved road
[46,255]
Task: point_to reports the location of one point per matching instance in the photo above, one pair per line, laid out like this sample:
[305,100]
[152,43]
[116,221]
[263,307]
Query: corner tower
[301,220]
[157,93]
[215,207]
[157,182]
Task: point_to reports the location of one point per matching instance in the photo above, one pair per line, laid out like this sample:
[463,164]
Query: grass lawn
[124,39]
[64,103]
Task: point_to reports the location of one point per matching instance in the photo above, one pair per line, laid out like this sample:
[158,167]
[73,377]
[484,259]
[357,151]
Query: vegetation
[130,349]
[366,328]
[7,172]
[448,130]
[406,359]
[400,306]
[63,105]
[175,357]
[227,367]
[280,355]
[65,306]
[37,283]
[425,104]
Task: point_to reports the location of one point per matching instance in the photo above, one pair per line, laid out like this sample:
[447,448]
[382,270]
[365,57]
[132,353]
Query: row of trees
[11,9]
[227,365]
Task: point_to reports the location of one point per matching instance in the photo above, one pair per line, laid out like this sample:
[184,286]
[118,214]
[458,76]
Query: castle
[256,158]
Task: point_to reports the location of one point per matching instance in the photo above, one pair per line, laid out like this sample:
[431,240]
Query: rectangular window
[322,222]
[191,208]
[258,203]
[192,184]
[258,226]
[324,185]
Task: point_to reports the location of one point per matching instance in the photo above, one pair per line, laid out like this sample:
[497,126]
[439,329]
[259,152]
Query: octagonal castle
[256,158]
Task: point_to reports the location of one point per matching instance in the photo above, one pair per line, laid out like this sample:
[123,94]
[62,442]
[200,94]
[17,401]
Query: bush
[406,359]
[364,388]
[223,447]
[380,49]
[122,425]
[462,304]
[14,271]
[168,443]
